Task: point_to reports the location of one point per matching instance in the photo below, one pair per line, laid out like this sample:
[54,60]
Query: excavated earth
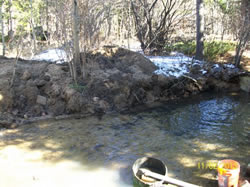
[118,80]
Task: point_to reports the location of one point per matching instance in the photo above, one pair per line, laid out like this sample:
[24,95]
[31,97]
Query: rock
[6,121]
[68,93]
[75,103]
[195,69]
[30,83]
[245,83]
[46,78]
[216,71]
[26,75]
[40,83]
[58,108]
[120,101]
[55,90]
[96,99]
[13,126]
[25,116]
[37,110]
[30,93]
[104,105]
[41,100]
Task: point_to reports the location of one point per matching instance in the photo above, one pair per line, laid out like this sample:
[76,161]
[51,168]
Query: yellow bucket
[228,173]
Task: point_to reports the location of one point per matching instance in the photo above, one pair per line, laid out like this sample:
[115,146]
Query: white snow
[203,72]
[216,66]
[229,66]
[176,65]
[52,55]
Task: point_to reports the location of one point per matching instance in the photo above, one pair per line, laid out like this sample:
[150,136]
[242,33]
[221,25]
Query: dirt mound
[118,79]
[42,88]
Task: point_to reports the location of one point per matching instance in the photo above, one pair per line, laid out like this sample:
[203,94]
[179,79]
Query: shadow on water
[184,134]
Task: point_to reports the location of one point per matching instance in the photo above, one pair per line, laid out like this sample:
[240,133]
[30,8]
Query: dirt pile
[118,79]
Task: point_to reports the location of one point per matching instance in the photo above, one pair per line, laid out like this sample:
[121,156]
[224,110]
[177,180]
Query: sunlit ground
[25,168]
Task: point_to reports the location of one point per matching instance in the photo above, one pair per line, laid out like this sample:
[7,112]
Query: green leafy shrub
[188,48]
[212,50]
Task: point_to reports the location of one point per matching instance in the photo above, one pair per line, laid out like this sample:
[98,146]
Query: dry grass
[229,58]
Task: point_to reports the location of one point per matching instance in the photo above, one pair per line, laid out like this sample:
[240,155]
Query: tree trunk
[10,17]
[2,25]
[47,22]
[199,30]
[76,40]
[244,31]
[10,28]
[32,27]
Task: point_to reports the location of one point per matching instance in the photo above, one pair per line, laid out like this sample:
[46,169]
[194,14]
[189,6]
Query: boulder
[75,103]
[26,75]
[30,93]
[41,100]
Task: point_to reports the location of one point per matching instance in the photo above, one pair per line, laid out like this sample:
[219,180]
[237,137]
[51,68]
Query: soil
[118,80]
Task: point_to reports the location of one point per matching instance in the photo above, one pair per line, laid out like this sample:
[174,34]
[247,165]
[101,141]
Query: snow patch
[176,66]
[229,66]
[58,56]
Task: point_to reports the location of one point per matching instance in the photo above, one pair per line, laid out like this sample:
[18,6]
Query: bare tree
[32,28]
[244,31]
[199,30]
[2,25]
[76,38]
[19,51]
[154,21]
[10,21]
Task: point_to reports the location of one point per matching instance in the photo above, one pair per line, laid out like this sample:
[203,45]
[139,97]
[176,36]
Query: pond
[185,134]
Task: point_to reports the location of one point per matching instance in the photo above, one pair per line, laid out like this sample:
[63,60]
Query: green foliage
[227,6]
[22,13]
[212,50]
[187,47]
[78,87]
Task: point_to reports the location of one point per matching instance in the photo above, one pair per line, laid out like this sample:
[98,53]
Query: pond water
[185,134]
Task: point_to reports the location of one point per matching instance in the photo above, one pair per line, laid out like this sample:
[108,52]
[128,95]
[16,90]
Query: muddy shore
[118,80]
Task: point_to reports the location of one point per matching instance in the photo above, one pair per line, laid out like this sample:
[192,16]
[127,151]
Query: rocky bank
[118,80]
